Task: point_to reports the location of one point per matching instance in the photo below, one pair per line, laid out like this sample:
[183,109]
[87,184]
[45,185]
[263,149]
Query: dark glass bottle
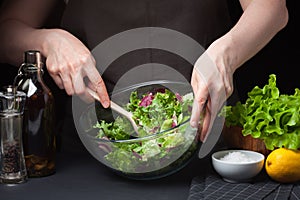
[39,117]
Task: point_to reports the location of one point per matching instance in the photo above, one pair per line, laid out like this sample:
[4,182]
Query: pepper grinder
[12,161]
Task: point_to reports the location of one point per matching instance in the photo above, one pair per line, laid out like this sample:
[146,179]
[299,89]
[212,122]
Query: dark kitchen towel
[295,194]
[213,187]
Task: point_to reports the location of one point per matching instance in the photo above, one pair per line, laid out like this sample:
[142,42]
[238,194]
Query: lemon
[283,165]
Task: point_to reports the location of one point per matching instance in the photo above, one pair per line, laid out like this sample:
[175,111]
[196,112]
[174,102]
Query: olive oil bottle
[39,117]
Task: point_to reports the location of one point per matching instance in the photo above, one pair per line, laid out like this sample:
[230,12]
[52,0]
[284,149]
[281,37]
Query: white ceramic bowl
[238,169]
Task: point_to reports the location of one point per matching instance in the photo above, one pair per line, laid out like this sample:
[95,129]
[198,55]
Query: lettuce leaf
[268,115]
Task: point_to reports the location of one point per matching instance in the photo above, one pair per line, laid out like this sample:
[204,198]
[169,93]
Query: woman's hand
[212,84]
[69,63]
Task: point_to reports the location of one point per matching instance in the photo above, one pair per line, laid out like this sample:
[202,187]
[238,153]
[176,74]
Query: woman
[86,24]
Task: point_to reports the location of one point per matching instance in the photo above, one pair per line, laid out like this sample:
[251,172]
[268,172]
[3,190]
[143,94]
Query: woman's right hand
[69,62]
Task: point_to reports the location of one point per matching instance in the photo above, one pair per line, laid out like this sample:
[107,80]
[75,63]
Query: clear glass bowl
[160,161]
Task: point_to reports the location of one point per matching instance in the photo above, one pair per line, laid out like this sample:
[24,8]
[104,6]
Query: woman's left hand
[212,84]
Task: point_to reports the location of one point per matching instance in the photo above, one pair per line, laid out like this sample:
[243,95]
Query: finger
[213,106]
[206,126]
[54,74]
[58,81]
[199,103]
[67,83]
[194,81]
[102,93]
[195,116]
[98,83]
[80,88]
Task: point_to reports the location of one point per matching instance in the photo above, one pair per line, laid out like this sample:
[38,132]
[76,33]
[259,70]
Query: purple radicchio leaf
[146,100]
[178,97]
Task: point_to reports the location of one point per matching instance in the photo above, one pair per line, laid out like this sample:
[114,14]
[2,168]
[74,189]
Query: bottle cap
[32,57]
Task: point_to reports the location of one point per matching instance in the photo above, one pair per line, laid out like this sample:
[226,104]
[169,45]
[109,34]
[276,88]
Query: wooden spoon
[118,109]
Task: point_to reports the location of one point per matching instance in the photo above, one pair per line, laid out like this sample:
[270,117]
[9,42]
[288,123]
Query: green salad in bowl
[165,141]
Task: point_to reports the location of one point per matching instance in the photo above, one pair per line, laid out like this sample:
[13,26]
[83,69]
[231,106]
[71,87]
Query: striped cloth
[212,187]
